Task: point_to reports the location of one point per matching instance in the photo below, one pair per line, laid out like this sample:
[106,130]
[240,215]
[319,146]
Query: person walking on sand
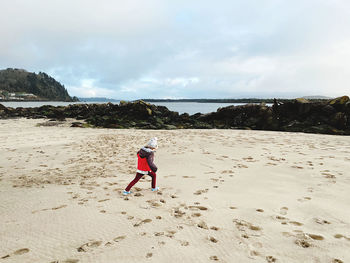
[145,165]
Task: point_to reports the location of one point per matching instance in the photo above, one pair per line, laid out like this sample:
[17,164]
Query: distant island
[244,100]
[21,85]
[97,99]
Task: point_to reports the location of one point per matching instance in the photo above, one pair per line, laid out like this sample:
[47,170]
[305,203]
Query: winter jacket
[146,154]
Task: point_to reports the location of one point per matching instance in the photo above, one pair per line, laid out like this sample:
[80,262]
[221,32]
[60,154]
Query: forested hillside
[21,84]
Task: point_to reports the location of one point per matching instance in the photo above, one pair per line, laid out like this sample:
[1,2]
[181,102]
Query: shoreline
[331,117]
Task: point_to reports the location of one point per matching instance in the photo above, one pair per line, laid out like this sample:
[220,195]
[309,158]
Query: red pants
[138,177]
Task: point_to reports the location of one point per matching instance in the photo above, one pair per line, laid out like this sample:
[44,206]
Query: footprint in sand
[240,166]
[302,243]
[69,261]
[118,239]
[184,243]
[297,167]
[246,227]
[281,218]
[227,172]
[87,246]
[310,189]
[254,253]
[178,213]
[338,236]
[303,240]
[103,200]
[213,239]
[197,207]
[202,225]
[196,214]
[283,210]
[329,176]
[199,192]
[171,175]
[285,221]
[304,199]
[154,203]
[66,261]
[315,237]
[59,207]
[249,159]
[171,233]
[270,259]
[321,221]
[143,222]
[21,251]
[295,223]
[17,252]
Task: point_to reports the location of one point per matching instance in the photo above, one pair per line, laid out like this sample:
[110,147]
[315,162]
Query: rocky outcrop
[300,115]
[330,117]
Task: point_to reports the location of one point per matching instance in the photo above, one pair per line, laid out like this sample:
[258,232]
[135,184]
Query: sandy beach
[225,196]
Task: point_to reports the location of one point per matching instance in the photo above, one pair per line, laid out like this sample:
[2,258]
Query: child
[145,165]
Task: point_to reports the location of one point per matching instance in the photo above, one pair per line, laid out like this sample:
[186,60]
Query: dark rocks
[339,101]
[299,115]
[250,115]
[77,124]
[339,120]
[328,110]
[330,117]
[340,104]
[2,107]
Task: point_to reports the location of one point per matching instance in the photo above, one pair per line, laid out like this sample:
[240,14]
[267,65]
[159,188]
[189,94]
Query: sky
[182,49]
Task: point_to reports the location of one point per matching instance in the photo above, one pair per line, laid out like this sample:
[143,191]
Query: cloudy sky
[182,48]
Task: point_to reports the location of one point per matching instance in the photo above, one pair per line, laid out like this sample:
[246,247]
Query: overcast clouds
[182,49]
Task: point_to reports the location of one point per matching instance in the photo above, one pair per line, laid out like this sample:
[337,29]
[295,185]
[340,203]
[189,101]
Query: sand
[225,196]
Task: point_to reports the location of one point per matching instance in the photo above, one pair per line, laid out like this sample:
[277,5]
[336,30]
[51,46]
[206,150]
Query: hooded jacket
[149,155]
